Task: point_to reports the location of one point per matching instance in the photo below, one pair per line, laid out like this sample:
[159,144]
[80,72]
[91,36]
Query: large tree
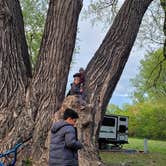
[28,101]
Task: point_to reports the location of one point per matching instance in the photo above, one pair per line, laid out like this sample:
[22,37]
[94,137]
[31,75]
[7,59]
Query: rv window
[122,119]
[108,122]
[122,129]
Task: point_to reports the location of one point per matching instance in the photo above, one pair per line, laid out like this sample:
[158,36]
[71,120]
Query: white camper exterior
[114,130]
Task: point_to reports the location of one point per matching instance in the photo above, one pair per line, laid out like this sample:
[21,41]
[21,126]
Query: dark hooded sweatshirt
[63,145]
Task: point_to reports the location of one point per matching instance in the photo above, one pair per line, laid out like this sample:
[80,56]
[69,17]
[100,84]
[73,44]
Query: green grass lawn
[153,145]
[155,157]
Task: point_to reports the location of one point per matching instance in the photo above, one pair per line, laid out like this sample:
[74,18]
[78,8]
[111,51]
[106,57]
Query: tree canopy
[150,35]
[150,83]
[146,120]
[34,14]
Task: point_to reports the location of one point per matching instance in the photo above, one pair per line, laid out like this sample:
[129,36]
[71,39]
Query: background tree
[34,102]
[150,82]
[34,14]
[146,119]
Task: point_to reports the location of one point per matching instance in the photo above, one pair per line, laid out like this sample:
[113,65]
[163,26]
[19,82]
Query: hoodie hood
[58,125]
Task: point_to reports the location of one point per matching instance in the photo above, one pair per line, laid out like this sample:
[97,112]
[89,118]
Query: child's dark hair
[69,113]
[76,75]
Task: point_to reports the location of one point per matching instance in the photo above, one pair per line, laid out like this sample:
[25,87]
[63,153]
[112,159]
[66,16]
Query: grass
[155,157]
[153,145]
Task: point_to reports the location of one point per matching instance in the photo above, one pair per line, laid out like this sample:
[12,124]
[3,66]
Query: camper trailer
[114,130]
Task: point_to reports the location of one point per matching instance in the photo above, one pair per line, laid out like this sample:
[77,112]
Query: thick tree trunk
[105,68]
[15,68]
[53,67]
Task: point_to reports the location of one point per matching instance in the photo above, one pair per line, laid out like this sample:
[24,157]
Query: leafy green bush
[145,119]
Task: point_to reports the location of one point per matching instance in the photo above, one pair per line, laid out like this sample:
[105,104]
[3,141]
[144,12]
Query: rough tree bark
[45,93]
[15,68]
[43,96]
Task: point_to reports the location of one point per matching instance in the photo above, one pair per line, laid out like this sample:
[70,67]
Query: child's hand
[81,90]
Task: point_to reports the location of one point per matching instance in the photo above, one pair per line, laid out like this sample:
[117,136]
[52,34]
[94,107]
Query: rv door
[108,128]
